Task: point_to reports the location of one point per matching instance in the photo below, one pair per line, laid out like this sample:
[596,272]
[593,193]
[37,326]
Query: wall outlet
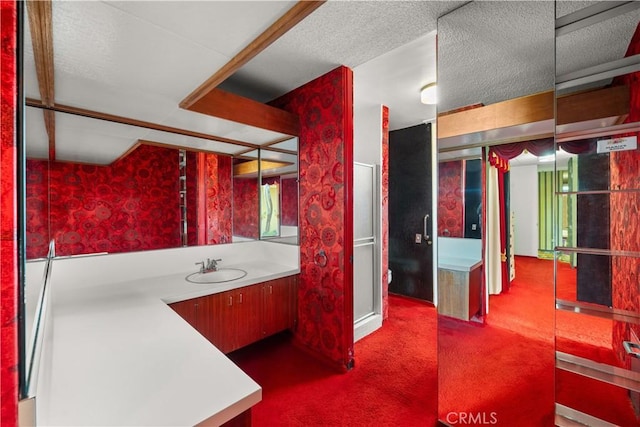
[418,238]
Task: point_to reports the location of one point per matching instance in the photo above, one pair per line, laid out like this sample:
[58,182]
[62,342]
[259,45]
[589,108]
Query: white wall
[524,205]
[367,148]
[367,131]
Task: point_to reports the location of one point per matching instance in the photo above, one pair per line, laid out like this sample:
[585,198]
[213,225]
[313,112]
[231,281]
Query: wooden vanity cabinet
[236,318]
[279,305]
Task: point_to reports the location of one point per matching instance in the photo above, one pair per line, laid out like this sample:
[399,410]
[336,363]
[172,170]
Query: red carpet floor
[503,370]
[394,382]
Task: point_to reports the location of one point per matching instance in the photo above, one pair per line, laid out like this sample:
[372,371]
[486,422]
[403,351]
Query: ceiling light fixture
[429,94]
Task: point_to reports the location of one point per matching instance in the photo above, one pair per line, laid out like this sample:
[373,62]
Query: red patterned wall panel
[450,199]
[37,212]
[245,207]
[384,211]
[289,192]
[8,216]
[625,236]
[192,198]
[625,217]
[325,295]
[131,205]
[218,198]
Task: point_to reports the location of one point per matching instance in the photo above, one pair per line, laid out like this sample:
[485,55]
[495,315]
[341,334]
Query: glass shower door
[364,242]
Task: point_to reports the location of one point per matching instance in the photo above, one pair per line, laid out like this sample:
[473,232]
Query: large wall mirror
[495,301]
[114,164]
[111,187]
[597,296]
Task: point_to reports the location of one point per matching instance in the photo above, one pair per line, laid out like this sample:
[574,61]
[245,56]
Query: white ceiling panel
[254,135]
[225,27]
[36,138]
[120,57]
[86,140]
[78,91]
[290,144]
[203,123]
[192,142]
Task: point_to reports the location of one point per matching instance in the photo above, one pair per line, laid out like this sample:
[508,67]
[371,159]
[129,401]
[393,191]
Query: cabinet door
[221,321]
[278,307]
[247,322]
[191,311]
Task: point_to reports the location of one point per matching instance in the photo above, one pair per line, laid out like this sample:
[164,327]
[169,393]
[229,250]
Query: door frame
[369,324]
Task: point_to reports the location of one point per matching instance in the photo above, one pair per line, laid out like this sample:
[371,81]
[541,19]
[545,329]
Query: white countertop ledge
[457,263]
[121,356]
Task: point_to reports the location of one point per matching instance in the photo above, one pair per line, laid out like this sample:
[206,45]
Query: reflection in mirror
[460,198]
[279,192]
[598,254]
[111,189]
[495,300]
[245,196]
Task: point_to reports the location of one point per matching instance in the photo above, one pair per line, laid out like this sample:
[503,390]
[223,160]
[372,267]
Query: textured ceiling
[493,51]
[599,43]
[139,59]
[338,33]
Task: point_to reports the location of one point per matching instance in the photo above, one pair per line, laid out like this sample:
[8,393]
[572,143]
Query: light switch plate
[418,238]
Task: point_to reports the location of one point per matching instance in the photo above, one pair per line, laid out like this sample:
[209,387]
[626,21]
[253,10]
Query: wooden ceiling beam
[290,19]
[229,106]
[596,104]
[41,25]
[50,126]
[513,112]
[133,122]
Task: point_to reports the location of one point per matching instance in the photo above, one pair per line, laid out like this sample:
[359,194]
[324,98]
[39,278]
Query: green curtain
[565,209]
[545,211]
[572,200]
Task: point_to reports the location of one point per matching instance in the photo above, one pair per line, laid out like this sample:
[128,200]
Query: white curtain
[493,272]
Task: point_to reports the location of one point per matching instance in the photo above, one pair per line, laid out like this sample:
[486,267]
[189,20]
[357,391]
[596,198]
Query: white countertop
[458,263]
[121,356]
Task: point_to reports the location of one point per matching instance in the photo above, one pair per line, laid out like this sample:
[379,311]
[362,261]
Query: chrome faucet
[209,266]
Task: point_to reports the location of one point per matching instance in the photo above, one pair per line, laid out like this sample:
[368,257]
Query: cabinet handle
[240,302]
[230,300]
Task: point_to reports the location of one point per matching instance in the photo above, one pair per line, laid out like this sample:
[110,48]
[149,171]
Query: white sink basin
[218,276]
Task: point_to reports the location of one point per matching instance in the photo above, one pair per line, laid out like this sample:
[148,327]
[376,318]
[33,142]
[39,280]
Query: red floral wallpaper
[8,215]
[245,207]
[325,293]
[625,218]
[289,195]
[384,211]
[192,198]
[37,209]
[625,236]
[218,193]
[450,199]
[131,205]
